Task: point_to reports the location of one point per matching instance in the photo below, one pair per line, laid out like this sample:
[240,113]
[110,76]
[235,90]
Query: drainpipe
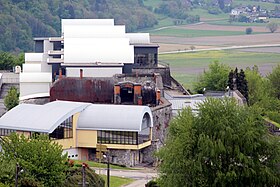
[81,73]
[60,73]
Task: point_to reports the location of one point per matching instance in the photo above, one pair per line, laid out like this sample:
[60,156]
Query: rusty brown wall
[93,90]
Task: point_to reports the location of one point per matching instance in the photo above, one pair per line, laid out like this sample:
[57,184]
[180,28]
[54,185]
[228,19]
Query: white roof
[40,118]
[115,118]
[46,118]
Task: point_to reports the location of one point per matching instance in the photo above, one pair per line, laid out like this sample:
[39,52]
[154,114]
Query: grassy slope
[201,60]
[117,181]
[100,165]
[263,5]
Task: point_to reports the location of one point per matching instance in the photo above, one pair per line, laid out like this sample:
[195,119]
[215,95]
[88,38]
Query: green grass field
[183,64]
[263,5]
[117,181]
[189,33]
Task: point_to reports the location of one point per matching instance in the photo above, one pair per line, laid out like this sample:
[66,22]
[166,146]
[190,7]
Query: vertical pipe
[60,73]
[158,97]
[81,73]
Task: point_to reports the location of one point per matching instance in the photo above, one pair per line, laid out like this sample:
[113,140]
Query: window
[64,130]
[6,132]
[117,137]
[149,59]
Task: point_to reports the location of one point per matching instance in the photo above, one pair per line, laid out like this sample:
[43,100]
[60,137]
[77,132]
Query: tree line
[20,21]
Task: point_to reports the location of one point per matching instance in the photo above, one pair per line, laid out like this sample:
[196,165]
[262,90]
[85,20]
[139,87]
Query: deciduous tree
[216,78]
[41,160]
[272,26]
[223,145]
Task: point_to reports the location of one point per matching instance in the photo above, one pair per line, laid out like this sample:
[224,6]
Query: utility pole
[108,171]
[84,175]
[17,171]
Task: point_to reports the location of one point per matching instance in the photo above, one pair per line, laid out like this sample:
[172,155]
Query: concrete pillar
[137,94]
[117,94]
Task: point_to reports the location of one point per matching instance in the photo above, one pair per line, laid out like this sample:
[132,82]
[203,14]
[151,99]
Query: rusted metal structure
[93,90]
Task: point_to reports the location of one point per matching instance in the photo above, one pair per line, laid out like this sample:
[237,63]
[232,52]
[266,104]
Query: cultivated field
[187,66]
[243,40]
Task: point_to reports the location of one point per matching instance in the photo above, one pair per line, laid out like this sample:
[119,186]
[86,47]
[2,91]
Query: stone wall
[161,116]
[163,71]
[124,157]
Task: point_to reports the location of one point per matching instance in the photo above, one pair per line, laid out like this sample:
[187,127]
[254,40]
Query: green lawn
[183,63]
[188,33]
[230,57]
[204,14]
[152,3]
[117,181]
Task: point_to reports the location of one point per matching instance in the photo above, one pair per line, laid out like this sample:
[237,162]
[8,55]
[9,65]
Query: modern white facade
[97,46]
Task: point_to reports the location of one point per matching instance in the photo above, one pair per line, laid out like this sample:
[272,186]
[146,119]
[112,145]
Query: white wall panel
[65,22]
[138,38]
[33,88]
[93,72]
[33,57]
[93,31]
[35,77]
[31,68]
[104,50]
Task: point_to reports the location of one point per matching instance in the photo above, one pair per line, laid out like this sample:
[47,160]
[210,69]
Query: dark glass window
[117,137]
[6,132]
[64,130]
[149,59]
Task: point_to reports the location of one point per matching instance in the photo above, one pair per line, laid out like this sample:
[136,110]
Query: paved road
[142,176]
[222,48]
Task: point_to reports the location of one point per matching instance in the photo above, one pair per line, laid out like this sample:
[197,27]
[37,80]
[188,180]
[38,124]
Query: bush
[12,99]
[249,30]
[152,184]
[74,177]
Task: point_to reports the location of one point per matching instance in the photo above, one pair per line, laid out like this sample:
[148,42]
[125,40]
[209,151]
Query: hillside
[20,20]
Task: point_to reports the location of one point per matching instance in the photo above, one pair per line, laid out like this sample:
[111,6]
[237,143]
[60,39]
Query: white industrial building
[96,46]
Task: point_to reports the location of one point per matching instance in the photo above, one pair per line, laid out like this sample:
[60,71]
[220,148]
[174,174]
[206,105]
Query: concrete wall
[93,72]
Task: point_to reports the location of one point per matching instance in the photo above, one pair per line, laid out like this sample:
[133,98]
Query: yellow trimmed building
[125,129]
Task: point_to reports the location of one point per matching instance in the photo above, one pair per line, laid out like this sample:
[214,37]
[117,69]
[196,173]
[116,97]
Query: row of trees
[39,162]
[263,92]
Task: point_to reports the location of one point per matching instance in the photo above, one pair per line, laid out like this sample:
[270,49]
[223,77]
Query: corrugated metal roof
[40,118]
[46,118]
[179,104]
[115,117]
